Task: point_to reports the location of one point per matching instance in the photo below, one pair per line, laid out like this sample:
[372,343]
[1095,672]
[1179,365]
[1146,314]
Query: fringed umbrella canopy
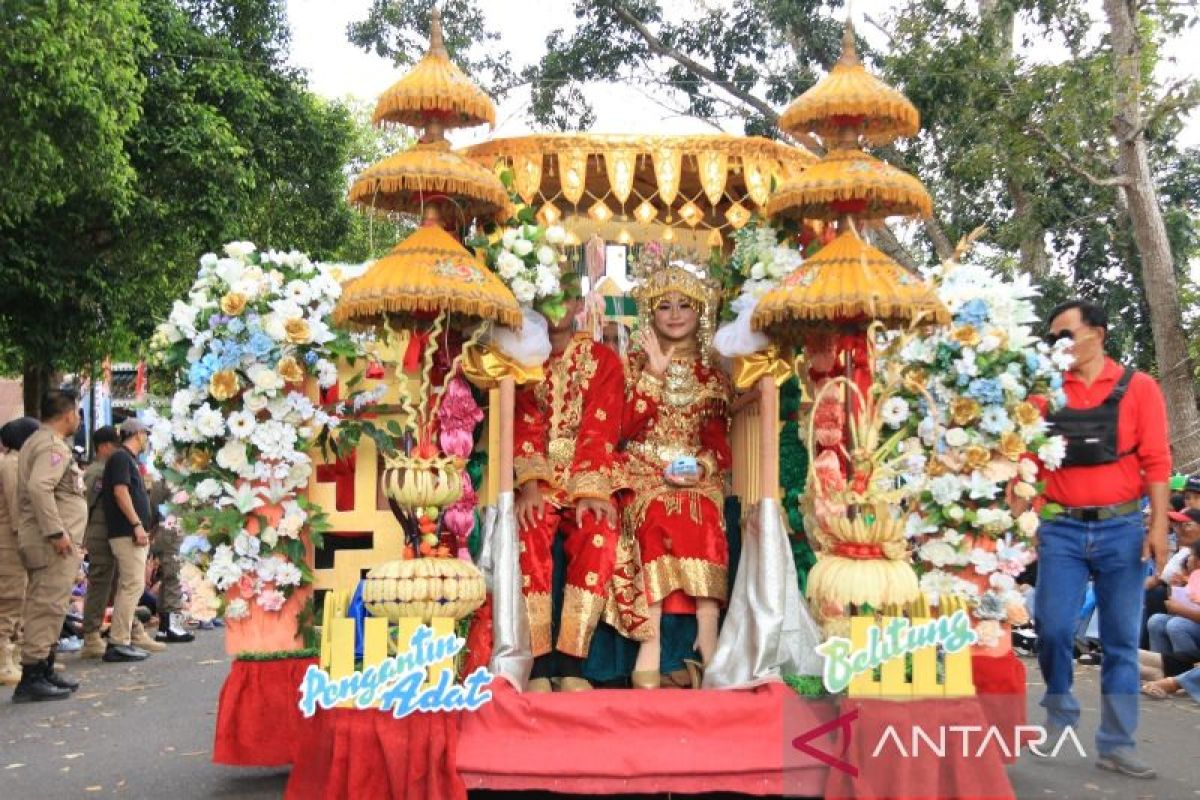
[435,90]
[427,273]
[851,99]
[407,181]
[850,182]
[847,282]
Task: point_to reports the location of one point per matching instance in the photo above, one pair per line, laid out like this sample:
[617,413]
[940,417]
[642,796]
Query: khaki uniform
[50,499]
[102,567]
[164,546]
[12,571]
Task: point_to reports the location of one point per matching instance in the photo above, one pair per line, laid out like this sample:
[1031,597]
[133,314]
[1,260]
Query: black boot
[34,687]
[169,630]
[56,679]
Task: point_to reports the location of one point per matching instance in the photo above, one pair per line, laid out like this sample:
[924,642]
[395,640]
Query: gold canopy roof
[850,98]
[848,281]
[850,182]
[713,182]
[405,181]
[435,90]
[429,272]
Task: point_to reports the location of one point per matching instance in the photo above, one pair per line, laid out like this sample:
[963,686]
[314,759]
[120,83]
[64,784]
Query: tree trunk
[35,382]
[1035,261]
[1150,235]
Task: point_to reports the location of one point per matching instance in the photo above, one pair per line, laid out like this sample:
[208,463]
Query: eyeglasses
[1052,338]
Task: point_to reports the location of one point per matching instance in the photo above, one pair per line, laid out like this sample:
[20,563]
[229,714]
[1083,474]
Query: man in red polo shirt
[1117,453]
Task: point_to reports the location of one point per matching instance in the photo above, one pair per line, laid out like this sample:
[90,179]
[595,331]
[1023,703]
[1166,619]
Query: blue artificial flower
[962,380]
[974,312]
[235,325]
[1056,380]
[1033,363]
[194,544]
[260,345]
[200,371]
[986,390]
[310,357]
[995,420]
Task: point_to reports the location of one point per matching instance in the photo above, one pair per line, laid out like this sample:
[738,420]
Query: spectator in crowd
[1191,492]
[52,516]
[1178,629]
[164,546]
[1115,426]
[1186,525]
[128,515]
[12,571]
[102,566]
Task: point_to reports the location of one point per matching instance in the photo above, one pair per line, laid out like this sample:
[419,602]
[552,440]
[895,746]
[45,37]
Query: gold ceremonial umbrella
[406,181]
[435,92]
[847,282]
[850,182]
[851,99]
[429,272]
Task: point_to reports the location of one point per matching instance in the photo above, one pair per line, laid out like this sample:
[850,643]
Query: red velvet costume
[680,532]
[565,433]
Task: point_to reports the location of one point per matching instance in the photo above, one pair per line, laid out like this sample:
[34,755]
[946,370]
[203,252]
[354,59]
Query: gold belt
[664,453]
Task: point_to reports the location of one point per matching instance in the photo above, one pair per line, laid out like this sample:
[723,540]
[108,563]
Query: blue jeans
[1109,552]
[1169,633]
[1190,683]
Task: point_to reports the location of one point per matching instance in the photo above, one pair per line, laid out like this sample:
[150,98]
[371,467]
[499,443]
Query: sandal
[1157,691]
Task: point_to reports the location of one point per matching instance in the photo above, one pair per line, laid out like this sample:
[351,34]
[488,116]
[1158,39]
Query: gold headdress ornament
[658,273]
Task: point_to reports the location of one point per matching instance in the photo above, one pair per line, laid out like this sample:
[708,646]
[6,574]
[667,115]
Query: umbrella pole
[768,409]
[508,394]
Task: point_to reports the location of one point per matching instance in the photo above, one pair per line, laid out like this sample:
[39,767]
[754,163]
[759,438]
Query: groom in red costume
[566,429]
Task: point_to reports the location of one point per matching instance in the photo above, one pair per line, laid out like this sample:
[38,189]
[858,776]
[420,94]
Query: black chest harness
[1091,433]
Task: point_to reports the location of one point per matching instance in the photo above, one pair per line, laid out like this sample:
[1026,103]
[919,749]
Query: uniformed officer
[52,517]
[102,567]
[164,546]
[12,571]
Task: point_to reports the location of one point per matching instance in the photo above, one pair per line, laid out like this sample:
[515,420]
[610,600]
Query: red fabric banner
[258,720]
[351,754]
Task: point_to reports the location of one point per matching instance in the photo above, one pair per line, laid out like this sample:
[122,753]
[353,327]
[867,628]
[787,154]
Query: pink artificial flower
[828,469]
[245,585]
[271,599]
[179,497]
[457,417]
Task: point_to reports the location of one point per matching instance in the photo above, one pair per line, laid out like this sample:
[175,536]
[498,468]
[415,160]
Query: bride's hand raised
[657,361]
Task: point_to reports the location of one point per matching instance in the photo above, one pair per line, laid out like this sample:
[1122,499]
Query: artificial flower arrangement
[253,331]
[970,423]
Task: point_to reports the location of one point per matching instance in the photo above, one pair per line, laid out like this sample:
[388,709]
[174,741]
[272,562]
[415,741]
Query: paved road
[145,731]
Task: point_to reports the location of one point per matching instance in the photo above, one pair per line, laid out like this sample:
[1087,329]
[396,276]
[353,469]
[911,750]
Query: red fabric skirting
[258,719]
[892,762]
[1000,688]
[625,741]
[351,754]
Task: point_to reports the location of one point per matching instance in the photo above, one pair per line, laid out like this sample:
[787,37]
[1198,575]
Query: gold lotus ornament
[423,588]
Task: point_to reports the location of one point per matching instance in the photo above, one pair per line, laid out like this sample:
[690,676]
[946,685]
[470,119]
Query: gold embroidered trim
[581,612]
[532,468]
[625,607]
[649,386]
[537,606]
[695,577]
[594,484]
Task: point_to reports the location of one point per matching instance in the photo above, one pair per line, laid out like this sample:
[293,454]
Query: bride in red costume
[675,428]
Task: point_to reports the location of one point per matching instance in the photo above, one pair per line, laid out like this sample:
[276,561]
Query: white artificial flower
[946,489]
[1002,582]
[758,271]
[327,373]
[984,561]
[209,422]
[241,424]
[955,513]
[183,317]
[522,247]
[1028,523]
[524,291]
[993,520]
[895,412]
[509,266]
[181,402]
[274,439]
[208,261]
[1028,470]
[547,282]
[966,364]
[926,430]
[956,437]
[989,343]
[1053,452]
[298,292]
[556,234]
[509,237]
[232,456]
[184,430]
[265,379]
[239,249]
[937,553]
[207,489]
[236,608]
[546,255]
[254,401]
[287,574]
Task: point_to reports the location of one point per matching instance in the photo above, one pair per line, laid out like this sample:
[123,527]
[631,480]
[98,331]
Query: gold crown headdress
[658,272]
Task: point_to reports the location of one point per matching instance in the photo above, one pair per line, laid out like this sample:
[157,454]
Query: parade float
[342,444]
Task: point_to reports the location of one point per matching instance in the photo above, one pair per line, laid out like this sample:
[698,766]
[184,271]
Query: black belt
[1100,513]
